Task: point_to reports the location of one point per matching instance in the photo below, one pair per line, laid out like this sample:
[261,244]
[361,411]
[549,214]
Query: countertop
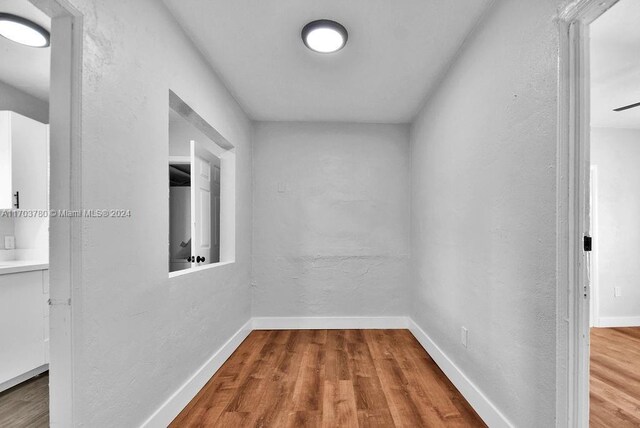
[16,266]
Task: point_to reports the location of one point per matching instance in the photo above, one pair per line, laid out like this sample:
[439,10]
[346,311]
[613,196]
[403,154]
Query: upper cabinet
[24,162]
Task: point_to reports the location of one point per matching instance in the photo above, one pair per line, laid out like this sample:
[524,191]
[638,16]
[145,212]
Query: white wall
[16,100]
[181,133]
[331,219]
[483,211]
[616,153]
[138,334]
[32,238]
[6,228]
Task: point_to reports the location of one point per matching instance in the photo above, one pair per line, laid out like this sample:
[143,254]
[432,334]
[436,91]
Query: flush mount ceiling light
[324,36]
[23,31]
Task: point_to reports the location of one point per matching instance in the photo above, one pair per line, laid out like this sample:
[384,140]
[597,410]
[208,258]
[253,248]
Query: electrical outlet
[617,291]
[9,242]
[464,336]
[282,187]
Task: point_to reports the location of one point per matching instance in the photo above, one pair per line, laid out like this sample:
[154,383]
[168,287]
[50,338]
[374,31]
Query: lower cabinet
[24,316]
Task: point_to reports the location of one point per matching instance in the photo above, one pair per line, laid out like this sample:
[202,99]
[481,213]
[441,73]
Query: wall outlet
[464,336]
[282,187]
[617,291]
[9,242]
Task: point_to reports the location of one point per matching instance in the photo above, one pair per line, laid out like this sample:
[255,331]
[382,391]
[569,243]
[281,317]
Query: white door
[22,318]
[215,216]
[202,164]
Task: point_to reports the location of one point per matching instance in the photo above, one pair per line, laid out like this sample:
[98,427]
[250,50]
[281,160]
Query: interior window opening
[201,187]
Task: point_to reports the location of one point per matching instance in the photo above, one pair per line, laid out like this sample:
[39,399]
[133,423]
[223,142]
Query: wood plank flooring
[615,377]
[26,405]
[329,378]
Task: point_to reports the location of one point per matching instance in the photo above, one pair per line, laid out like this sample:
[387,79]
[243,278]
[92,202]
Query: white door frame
[65,272]
[573,286]
[595,288]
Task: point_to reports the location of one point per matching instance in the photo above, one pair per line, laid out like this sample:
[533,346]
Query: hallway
[295,213]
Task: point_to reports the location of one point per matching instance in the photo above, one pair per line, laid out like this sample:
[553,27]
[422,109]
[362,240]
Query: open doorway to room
[598,207]
[39,175]
[24,221]
[615,216]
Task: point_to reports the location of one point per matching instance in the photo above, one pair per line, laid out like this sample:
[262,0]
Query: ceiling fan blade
[627,107]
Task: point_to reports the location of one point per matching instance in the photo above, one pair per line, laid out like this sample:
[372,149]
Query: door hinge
[587,243]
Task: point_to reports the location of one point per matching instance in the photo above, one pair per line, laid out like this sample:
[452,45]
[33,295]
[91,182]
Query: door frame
[65,194]
[595,288]
[573,213]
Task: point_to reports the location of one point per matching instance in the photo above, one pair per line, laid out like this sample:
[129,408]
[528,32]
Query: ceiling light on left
[23,31]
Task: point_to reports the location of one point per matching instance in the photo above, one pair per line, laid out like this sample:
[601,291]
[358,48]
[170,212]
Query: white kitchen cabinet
[45,314]
[24,314]
[24,162]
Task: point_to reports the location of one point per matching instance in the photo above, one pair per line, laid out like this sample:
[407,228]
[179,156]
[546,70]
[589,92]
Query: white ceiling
[24,67]
[395,53]
[615,66]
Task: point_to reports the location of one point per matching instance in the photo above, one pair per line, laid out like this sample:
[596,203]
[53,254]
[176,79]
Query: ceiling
[24,67]
[615,66]
[394,56]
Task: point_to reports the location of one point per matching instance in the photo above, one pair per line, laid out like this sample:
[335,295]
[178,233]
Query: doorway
[614,382]
[597,383]
[44,238]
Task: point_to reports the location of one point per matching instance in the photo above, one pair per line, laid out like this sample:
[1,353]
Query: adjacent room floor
[296,378]
[615,377]
[26,405]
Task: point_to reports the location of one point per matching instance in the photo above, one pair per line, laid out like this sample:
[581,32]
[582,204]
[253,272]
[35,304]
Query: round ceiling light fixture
[324,36]
[23,31]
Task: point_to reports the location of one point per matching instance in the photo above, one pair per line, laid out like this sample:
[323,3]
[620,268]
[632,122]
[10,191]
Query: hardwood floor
[615,377]
[26,405]
[329,378]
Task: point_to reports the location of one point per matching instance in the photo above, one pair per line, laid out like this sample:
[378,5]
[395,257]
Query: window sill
[199,269]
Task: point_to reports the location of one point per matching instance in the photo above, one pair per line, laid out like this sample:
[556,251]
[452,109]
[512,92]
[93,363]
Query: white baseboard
[618,322]
[480,403]
[23,377]
[328,323]
[179,399]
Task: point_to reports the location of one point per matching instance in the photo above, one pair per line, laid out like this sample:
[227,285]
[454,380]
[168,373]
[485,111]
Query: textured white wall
[6,228]
[138,334]
[181,133]
[14,99]
[616,153]
[331,219]
[483,210]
